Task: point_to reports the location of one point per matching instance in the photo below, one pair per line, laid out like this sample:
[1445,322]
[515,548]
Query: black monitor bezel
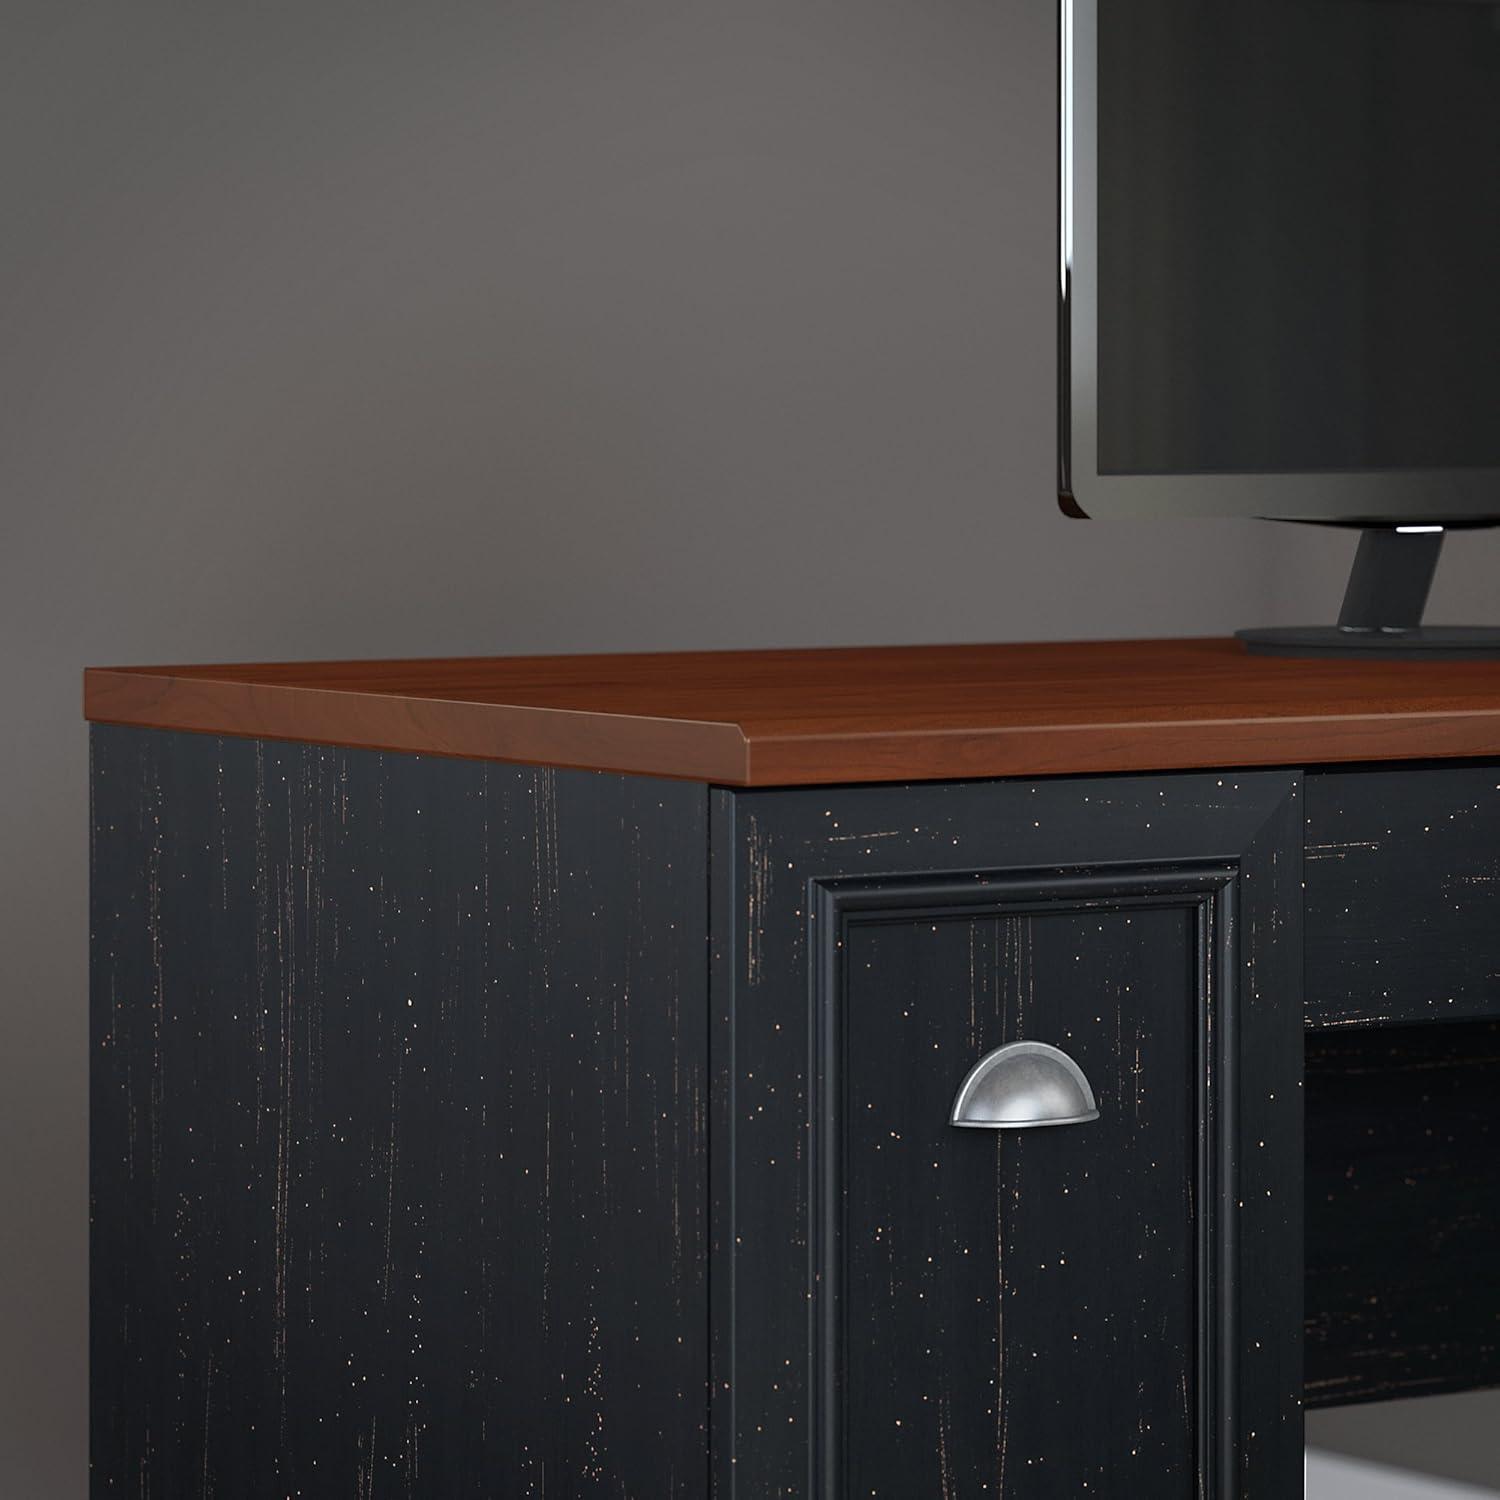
[1466,496]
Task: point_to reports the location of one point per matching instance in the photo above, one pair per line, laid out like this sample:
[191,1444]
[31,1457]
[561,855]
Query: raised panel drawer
[1037,1282]
[903,1307]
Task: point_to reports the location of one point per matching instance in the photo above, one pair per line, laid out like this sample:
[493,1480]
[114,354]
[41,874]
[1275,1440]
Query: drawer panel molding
[1206,894]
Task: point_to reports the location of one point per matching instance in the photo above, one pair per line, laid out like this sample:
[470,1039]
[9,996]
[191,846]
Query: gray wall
[1448,1436]
[1331,1476]
[335,329]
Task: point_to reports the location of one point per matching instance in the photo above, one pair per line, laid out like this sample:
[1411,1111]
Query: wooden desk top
[784,718]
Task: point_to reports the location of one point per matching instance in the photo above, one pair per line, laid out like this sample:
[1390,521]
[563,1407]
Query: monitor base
[1423,643]
[1382,615]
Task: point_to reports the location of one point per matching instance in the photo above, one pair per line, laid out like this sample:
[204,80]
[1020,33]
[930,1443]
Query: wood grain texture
[1403,1212]
[831,1325]
[398,1126]
[1403,895]
[782,718]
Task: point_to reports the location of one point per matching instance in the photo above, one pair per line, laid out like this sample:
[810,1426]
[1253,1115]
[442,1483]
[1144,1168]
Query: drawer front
[1403,895]
[1003,1292]
[903,1307]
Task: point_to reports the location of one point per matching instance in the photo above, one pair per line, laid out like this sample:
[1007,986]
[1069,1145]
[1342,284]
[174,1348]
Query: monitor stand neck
[1383,605]
[1390,581]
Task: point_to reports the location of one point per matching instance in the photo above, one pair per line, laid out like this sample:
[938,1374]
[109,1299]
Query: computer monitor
[1280,280]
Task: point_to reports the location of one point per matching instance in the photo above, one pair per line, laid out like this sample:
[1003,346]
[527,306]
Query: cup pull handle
[1024,1086]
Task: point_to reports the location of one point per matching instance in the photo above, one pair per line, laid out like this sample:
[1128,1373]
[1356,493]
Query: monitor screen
[1293,241]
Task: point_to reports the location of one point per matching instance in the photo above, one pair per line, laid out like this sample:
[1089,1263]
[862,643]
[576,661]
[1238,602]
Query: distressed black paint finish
[400,1132]
[1403,895]
[1012,1276]
[807,1284]
[1403,1212]
[398,1138]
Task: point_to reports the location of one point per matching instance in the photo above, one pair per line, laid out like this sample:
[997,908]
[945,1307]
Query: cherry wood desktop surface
[782,718]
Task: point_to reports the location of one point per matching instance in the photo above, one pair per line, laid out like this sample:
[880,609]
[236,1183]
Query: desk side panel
[398,1138]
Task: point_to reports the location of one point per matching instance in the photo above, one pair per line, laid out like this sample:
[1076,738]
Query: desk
[534,1076]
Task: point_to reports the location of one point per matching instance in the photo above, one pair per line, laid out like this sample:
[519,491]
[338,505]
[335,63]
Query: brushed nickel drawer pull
[1022,1087]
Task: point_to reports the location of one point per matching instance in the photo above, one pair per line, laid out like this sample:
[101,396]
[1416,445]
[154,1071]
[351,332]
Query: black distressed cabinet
[464,1129]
